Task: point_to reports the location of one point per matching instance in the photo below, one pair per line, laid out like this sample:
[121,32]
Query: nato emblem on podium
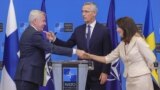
[70,77]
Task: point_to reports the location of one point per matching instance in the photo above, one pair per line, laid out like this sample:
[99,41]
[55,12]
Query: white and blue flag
[10,58]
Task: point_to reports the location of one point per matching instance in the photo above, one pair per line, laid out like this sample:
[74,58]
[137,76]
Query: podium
[70,75]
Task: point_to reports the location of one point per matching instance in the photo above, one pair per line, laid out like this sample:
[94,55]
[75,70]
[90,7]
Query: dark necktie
[90,63]
[88,36]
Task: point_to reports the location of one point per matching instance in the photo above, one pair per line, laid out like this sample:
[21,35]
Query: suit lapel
[131,44]
[93,36]
[123,48]
[83,32]
[83,35]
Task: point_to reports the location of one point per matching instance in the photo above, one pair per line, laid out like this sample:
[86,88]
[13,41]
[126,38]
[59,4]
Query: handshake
[82,54]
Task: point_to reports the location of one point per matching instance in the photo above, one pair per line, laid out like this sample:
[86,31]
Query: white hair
[35,14]
[93,5]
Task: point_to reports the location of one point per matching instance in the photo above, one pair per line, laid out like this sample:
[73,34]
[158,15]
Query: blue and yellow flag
[150,36]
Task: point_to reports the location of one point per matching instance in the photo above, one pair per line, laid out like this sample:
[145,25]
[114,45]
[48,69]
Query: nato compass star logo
[70,74]
[115,71]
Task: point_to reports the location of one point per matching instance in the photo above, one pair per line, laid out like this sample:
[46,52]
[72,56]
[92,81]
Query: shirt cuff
[74,51]
[54,39]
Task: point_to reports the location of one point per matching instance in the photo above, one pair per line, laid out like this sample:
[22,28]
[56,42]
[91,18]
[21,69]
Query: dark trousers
[25,85]
[93,83]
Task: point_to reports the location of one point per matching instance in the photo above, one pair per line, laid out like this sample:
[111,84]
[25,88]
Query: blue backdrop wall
[63,11]
[69,11]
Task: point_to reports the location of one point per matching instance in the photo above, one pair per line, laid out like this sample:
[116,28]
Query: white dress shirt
[92,25]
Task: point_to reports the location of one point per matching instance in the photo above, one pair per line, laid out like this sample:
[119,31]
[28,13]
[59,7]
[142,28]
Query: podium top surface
[70,62]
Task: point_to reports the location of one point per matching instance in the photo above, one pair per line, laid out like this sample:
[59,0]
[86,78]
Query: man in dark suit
[94,38]
[33,46]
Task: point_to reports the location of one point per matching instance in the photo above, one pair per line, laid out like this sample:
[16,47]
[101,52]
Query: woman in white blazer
[136,55]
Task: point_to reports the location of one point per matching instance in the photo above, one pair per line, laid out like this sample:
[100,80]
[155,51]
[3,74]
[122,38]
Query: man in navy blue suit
[98,43]
[33,46]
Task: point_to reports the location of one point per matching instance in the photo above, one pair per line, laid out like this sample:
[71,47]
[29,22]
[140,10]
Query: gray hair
[93,5]
[35,14]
